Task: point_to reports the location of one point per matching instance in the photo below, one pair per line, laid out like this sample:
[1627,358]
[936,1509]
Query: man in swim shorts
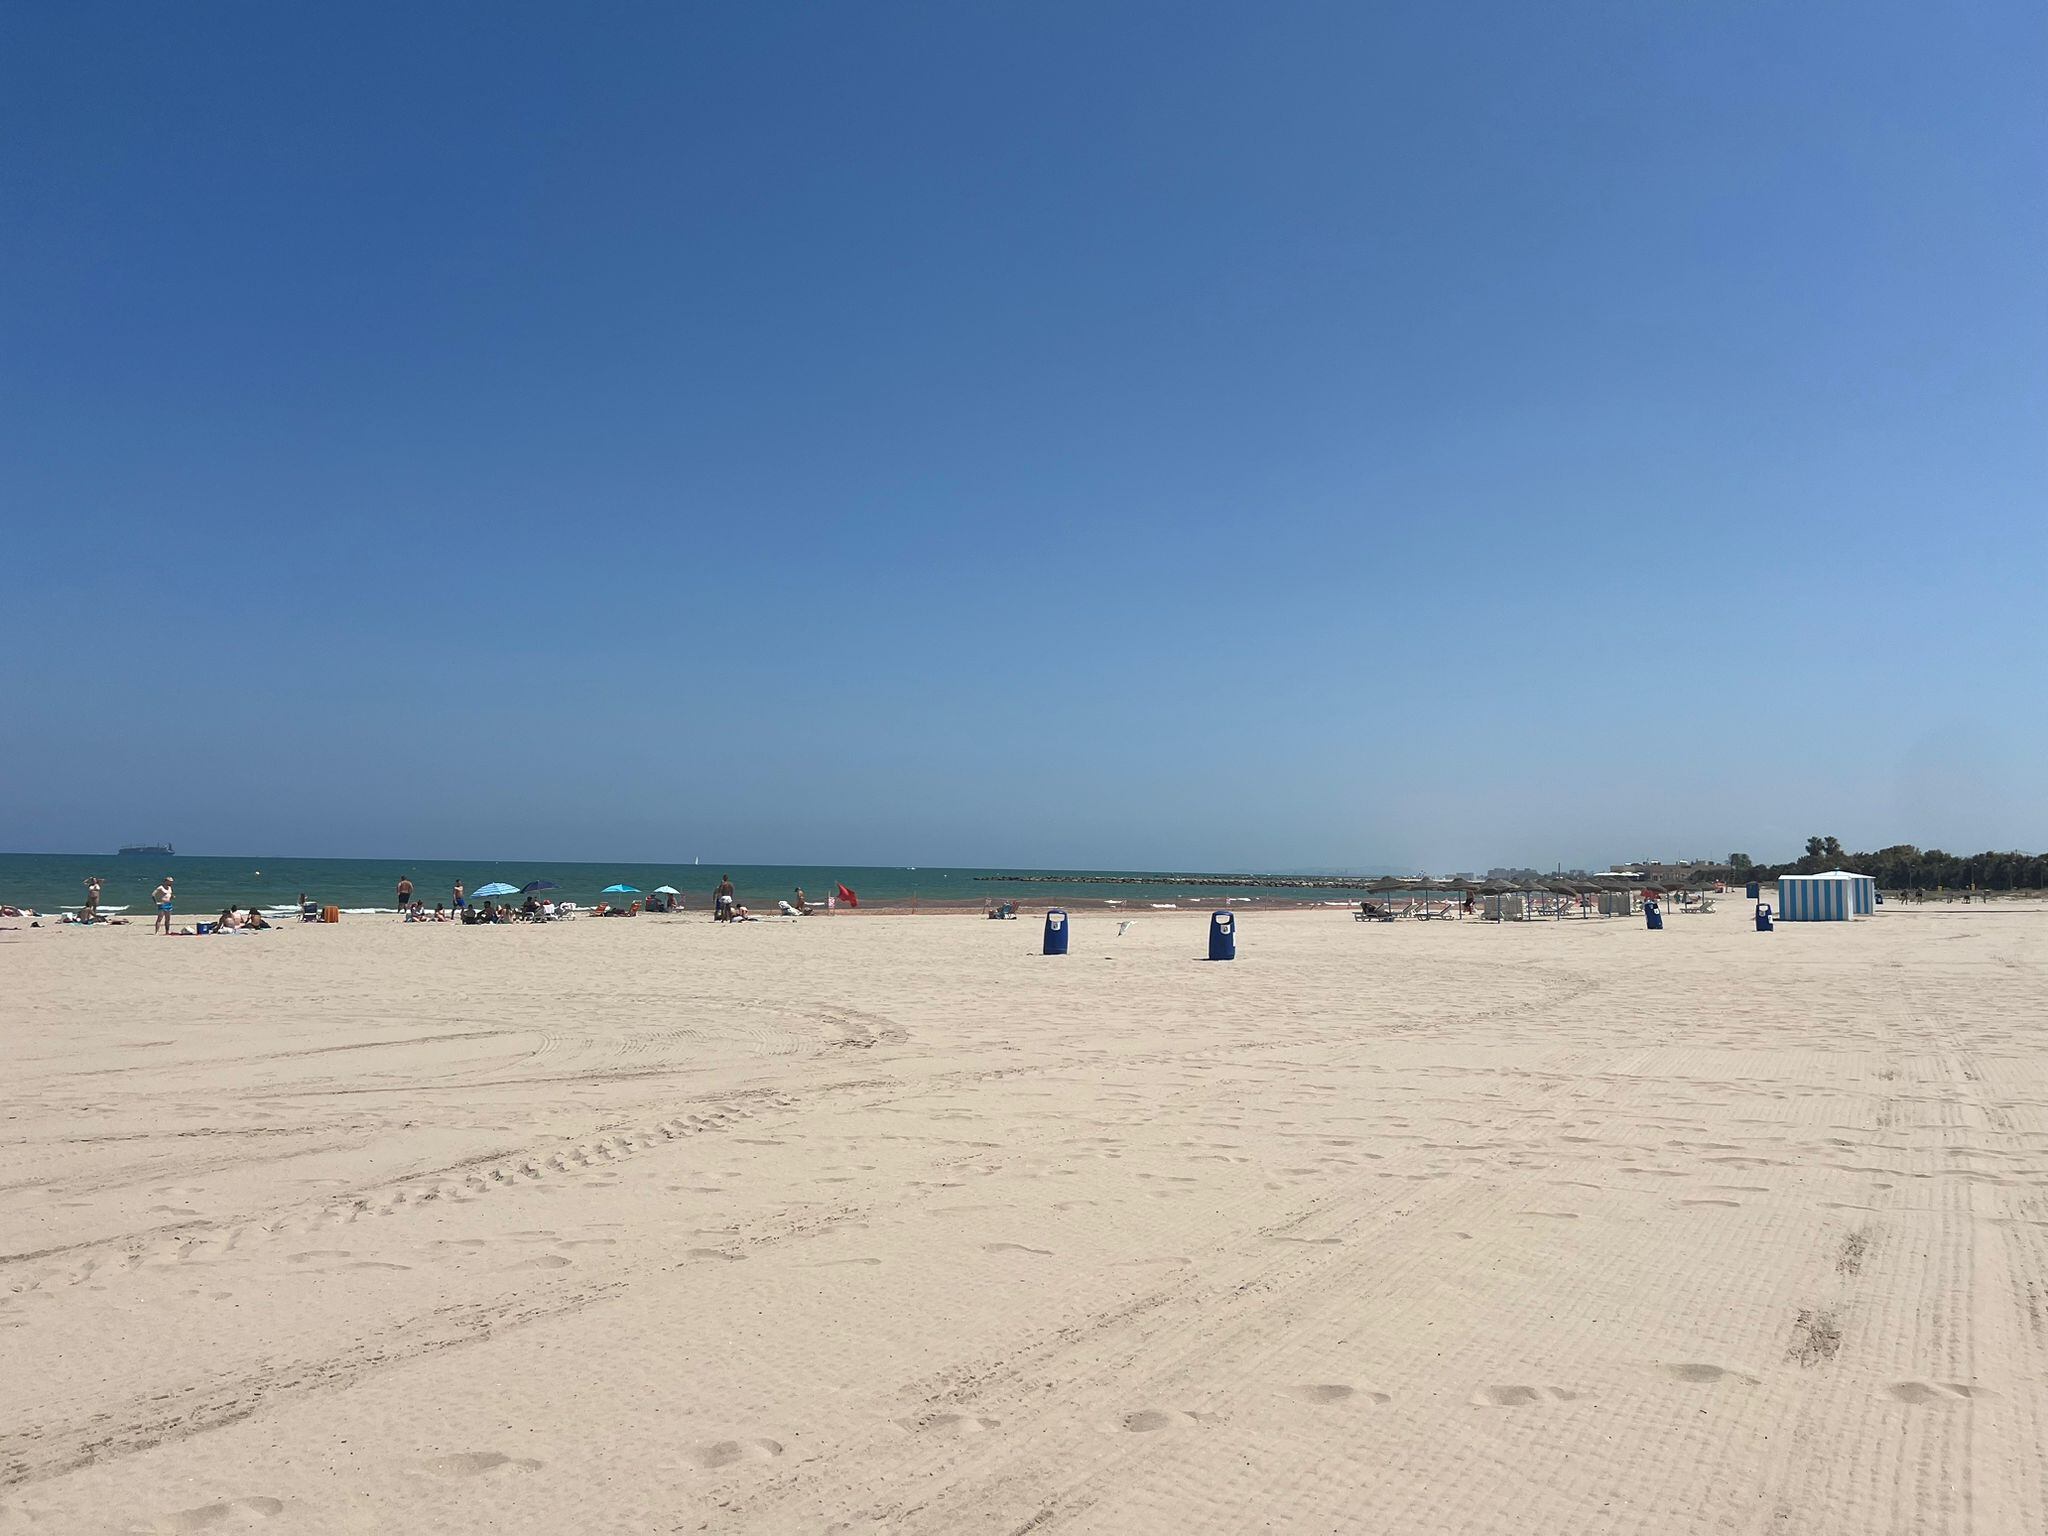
[162,896]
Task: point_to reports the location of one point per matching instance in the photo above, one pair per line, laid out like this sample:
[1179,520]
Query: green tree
[1741,862]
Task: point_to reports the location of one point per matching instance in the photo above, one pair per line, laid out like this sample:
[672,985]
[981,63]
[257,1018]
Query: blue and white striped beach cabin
[1831,898]
[1863,893]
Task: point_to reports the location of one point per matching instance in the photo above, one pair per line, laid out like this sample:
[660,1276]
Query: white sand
[888,1224]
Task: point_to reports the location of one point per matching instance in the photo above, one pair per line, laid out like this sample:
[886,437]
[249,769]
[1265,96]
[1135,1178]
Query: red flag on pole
[848,897]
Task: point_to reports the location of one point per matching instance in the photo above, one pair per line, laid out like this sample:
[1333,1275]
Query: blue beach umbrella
[495,888]
[620,890]
[536,885]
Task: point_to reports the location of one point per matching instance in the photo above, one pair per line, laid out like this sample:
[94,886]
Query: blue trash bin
[1222,935]
[1055,932]
[1763,919]
[1755,889]
[1652,918]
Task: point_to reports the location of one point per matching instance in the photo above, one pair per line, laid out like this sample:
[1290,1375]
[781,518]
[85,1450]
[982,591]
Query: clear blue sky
[1094,434]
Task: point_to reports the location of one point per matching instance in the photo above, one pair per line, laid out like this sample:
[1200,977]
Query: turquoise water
[48,881]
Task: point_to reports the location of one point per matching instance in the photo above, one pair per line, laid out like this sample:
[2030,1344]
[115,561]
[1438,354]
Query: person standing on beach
[162,897]
[458,896]
[723,900]
[92,897]
[404,892]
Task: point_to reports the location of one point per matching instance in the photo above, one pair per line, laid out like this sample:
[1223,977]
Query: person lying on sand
[255,920]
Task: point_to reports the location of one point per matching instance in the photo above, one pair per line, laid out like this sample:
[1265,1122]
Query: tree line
[1902,867]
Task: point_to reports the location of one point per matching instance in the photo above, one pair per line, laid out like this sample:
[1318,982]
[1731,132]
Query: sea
[49,882]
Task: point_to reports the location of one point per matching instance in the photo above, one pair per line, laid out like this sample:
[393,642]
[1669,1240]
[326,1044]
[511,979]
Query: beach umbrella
[536,885]
[664,890]
[495,888]
[620,890]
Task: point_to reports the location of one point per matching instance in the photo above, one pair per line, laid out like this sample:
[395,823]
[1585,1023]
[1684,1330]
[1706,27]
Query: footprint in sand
[1042,1253]
[474,1464]
[842,1263]
[1146,1421]
[715,1253]
[1692,1371]
[1522,1397]
[1324,1393]
[1727,1204]
[1922,1393]
[225,1514]
[544,1261]
[716,1454]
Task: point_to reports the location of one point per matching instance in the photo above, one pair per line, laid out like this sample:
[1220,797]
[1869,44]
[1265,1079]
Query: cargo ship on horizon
[137,849]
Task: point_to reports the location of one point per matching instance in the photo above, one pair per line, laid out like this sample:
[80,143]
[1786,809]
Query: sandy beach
[879,1223]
